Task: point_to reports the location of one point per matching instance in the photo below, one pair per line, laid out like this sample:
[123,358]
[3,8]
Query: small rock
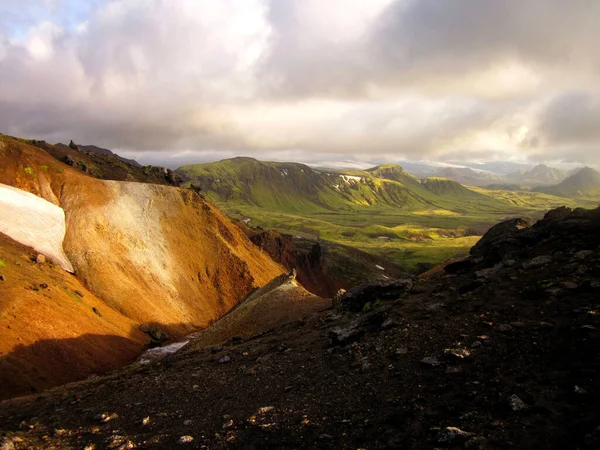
[1,278]
[457,353]
[216,349]
[43,286]
[486,273]
[343,336]
[224,359]
[580,390]
[431,361]
[106,417]
[188,422]
[6,444]
[504,327]
[582,254]
[568,285]
[228,424]
[476,344]
[401,351]
[518,324]
[450,434]
[509,262]
[185,440]
[40,259]
[79,293]
[516,403]
[144,328]
[145,421]
[546,325]
[595,284]
[538,261]
[128,445]
[265,409]
[555,292]
[387,323]
[453,369]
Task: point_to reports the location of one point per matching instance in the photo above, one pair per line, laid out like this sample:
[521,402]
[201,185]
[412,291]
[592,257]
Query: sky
[181,81]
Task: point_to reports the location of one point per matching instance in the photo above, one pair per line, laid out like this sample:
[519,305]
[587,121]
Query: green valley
[382,210]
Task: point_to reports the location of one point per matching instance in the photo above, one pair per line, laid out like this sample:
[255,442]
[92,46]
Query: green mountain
[293,187]
[584,183]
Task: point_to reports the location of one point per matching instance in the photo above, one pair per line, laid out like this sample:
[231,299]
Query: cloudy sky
[179,81]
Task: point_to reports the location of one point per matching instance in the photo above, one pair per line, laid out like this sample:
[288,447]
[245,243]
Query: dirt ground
[501,351]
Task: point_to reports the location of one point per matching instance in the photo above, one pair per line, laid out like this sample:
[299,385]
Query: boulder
[355,299]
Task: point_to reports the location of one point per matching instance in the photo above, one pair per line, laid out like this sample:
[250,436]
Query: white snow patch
[347,178]
[158,353]
[337,186]
[379,267]
[387,278]
[34,222]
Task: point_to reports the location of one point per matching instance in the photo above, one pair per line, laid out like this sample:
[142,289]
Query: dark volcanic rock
[356,299]
[500,241]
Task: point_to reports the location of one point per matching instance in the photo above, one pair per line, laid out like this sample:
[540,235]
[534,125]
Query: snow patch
[379,267]
[158,353]
[347,178]
[34,222]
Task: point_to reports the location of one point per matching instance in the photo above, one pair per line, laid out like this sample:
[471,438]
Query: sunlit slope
[154,253]
[292,187]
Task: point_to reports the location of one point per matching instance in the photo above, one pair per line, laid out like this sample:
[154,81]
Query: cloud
[354,79]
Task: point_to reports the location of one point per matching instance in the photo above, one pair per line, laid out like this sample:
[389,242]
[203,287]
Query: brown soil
[53,329]
[279,302]
[153,254]
[493,356]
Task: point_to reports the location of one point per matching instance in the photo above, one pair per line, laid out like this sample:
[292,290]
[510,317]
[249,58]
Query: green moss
[28,170]
[2,263]
[44,168]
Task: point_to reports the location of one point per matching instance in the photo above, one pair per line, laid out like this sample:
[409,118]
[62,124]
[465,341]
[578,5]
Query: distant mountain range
[293,187]
[584,183]
[496,174]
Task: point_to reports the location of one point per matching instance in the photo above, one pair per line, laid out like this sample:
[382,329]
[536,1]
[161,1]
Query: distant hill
[585,183]
[293,187]
[465,175]
[106,165]
[540,174]
[105,151]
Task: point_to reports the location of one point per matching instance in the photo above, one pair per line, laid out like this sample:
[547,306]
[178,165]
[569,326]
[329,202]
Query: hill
[383,210]
[540,174]
[293,187]
[104,164]
[155,255]
[583,183]
[500,352]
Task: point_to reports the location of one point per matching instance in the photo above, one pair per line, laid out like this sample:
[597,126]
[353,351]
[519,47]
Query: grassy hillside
[584,183]
[382,210]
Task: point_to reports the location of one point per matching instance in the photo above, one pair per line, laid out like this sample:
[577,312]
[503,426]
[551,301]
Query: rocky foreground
[499,351]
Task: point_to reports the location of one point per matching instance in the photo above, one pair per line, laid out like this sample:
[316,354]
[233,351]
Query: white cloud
[385,78]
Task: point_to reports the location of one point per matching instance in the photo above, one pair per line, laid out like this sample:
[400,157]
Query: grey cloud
[154,76]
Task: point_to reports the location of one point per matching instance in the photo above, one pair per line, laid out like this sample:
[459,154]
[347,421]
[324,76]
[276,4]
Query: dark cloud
[309,79]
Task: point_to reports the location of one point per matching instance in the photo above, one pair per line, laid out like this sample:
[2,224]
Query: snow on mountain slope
[35,222]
